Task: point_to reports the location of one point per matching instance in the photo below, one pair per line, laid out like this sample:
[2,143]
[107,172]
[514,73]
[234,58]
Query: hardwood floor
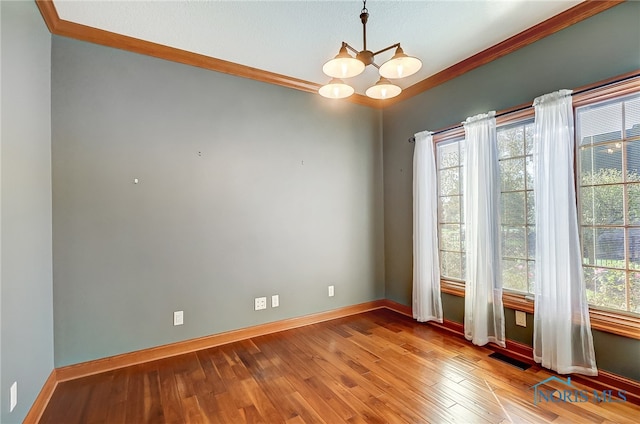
[375,367]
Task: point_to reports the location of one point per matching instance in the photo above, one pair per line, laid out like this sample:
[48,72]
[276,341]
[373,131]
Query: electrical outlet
[275,301]
[178,318]
[331,291]
[14,396]
[261,303]
[521,319]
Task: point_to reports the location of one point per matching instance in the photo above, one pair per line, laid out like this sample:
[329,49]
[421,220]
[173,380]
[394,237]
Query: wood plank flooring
[375,367]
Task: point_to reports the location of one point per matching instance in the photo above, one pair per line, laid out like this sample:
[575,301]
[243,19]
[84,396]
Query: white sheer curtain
[483,311]
[562,339]
[427,304]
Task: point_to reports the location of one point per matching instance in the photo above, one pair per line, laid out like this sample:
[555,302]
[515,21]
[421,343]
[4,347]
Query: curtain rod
[412,139]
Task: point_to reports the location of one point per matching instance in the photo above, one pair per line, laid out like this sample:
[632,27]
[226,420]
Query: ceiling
[295,38]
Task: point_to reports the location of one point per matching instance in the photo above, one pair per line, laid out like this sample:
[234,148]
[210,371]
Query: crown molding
[80,32]
[552,25]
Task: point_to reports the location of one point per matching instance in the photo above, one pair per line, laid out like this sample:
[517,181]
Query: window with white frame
[607,177]
[608,191]
[608,162]
[515,150]
[450,165]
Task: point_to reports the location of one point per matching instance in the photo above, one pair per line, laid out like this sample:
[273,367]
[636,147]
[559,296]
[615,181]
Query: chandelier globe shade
[343,65]
[400,65]
[336,89]
[383,89]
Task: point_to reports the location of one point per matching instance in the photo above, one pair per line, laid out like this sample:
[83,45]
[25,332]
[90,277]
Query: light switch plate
[178,318]
[521,318]
[14,396]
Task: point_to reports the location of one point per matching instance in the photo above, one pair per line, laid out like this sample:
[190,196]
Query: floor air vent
[513,362]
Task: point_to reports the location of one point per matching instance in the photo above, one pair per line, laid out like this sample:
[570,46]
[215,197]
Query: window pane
[588,246]
[602,205]
[512,208]
[462,237]
[451,264]
[532,276]
[632,117]
[512,174]
[587,206]
[514,275]
[531,241]
[514,242]
[633,191]
[448,155]
[605,287]
[633,240]
[510,141]
[464,266]
[450,182]
[530,173]
[531,211]
[633,161]
[517,204]
[602,164]
[609,205]
[610,247]
[603,247]
[586,165]
[599,124]
[634,290]
[610,201]
[528,132]
[450,207]
[450,237]
[463,145]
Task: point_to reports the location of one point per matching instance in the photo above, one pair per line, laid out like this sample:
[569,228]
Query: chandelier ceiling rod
[364,17]
[366,56]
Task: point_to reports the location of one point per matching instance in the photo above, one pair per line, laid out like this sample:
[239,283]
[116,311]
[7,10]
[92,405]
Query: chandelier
[345,66]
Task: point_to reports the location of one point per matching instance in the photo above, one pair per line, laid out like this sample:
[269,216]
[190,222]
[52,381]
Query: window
[451,208]
[607,167]
[608,138]
[515,150]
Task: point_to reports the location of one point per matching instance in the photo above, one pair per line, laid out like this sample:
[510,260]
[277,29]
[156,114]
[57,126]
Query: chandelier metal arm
[346,45]
[393,46]
[354,51]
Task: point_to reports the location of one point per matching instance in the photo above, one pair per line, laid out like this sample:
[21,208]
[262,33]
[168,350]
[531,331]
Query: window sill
[607,321]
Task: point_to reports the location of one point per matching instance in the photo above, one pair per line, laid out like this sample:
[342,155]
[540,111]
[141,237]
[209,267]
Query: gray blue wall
[26,337]
[595,49]
[245,189]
